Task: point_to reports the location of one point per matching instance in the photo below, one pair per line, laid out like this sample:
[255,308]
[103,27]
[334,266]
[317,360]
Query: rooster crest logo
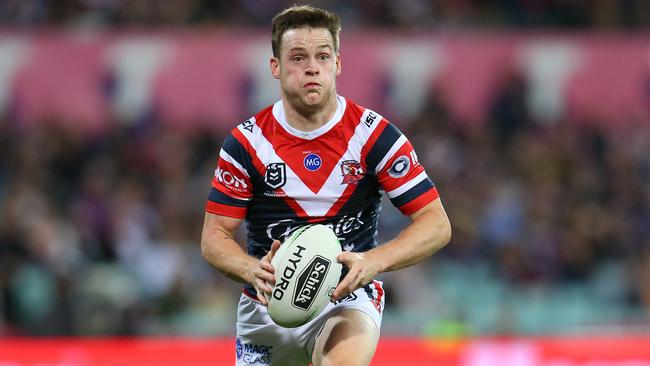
[351,171]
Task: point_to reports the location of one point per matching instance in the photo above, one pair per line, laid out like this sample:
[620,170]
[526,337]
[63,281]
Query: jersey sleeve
[394,161]
[231,188]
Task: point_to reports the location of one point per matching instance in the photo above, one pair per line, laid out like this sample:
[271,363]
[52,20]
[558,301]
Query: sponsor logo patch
[309,282]
[230,180]
[248,125]
[254,353]
[312,162]
[343,228]
[370,119]
[276,175]
[400,167]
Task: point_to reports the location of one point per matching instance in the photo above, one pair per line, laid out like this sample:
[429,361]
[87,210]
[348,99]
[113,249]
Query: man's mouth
[312,85]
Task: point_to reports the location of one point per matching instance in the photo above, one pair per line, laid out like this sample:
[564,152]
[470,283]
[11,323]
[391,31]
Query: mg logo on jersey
[312,162]
[276,175]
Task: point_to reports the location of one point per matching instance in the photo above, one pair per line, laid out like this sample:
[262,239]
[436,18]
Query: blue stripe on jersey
[238,152]
[412,193]
[217,196]
[386,140]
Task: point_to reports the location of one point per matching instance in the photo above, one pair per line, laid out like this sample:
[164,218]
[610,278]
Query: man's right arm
[220,249]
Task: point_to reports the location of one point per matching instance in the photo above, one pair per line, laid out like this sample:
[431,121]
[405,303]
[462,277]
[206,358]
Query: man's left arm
[429,231]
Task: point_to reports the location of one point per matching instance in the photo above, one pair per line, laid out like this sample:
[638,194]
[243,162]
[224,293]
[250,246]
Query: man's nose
[312,68]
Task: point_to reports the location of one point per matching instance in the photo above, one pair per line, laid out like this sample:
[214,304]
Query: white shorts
[262,342]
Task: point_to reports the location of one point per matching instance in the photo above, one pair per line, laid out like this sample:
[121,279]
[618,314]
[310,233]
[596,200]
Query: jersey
[278,178]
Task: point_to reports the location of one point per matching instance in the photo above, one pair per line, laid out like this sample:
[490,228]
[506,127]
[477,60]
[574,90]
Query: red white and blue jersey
[278,178]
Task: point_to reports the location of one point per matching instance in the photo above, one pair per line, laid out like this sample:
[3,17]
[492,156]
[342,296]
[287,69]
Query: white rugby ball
[306,274]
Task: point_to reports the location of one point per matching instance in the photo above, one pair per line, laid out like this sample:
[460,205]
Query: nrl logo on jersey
[276,175]
[351,171]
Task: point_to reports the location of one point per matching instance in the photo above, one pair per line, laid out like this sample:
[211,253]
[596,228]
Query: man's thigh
[350,331]
[349,337]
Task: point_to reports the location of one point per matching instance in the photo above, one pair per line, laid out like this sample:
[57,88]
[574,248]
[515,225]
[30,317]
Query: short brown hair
[304,16]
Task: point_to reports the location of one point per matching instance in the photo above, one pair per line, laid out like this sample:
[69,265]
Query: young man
[315,156]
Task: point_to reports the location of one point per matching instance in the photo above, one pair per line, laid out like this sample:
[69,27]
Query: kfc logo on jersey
[351,171]
[400,167]
[276,175]
[230,180]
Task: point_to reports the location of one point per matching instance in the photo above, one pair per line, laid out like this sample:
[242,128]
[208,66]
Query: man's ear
[275,67]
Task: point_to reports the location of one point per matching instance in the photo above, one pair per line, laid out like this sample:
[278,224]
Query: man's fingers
[346,258]
[264,290]
[267,266]
[266,260]
[262,298]
[341,291]
[344,287]
[265,275]
[274,248]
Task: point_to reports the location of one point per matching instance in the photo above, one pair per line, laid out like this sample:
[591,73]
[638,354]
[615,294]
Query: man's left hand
[362,269]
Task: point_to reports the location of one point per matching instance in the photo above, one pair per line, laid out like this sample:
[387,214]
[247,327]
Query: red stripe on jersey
[341,201]
[330,147]
[261,169]
[421,201]
[293,204]
[225,210]
[371,141]
[316,220]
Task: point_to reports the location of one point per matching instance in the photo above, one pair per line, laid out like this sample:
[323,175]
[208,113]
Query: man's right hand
[264,274]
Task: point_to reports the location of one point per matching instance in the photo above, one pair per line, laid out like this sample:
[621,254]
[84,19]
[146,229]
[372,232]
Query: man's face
[307,68]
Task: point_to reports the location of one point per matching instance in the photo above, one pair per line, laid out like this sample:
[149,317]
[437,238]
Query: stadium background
[530,116]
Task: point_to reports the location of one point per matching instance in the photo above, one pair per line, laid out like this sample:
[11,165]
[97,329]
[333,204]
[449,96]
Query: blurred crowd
[99,233]
[596,14]
[552,218]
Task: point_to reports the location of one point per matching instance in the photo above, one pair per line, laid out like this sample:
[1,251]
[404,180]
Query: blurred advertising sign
[569,351]
[217,78]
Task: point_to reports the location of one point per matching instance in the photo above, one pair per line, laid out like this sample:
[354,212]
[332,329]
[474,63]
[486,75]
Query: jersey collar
[278,113]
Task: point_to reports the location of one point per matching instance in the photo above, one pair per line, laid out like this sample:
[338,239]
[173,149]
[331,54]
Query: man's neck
[308,121]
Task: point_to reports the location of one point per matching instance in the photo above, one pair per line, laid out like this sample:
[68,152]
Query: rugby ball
[306,275]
